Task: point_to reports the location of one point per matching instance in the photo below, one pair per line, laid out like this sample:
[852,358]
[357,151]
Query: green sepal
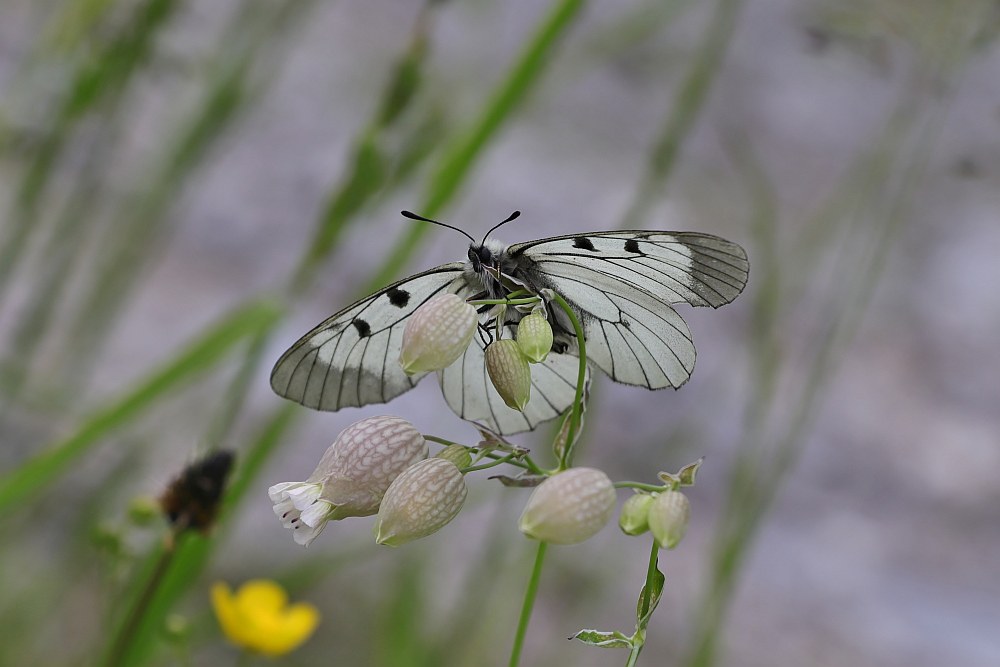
[604,639]
[643,619]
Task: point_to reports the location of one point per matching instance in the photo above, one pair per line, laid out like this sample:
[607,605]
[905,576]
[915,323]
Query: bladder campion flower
[534,336]
[569,507]
[351,478]
[258,617]
[509,372]
[668,518]
[437,334]
[634,517]
[421,501]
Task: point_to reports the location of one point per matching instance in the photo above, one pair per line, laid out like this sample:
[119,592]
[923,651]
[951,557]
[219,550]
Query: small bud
[633,519]
[421,501]
[534,336]
[509,372]
[143,510]
[437,333]
[668,518]
[569,507]
[457,454]
[351,478]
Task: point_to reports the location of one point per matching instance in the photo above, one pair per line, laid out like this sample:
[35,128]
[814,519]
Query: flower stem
[639,638]
[529,603]
[581,380]
[123,640]
[654,488]
[495,462]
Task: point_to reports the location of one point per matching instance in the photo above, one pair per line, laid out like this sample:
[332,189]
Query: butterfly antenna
[513,216]
[414,216]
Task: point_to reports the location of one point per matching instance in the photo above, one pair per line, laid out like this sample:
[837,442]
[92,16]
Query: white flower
[351,478]
[437,334]
[569,507]
[421,501]
[509,372]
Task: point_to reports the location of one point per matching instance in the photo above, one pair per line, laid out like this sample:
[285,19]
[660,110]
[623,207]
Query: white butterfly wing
[352,358]
[622,285]
[470,393]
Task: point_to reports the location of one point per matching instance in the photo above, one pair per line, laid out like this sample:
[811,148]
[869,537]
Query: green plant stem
[200,356]
[639,639]
[525,461]
[492,464]
[640,485]
[566,459]
[134,616]
[529,604]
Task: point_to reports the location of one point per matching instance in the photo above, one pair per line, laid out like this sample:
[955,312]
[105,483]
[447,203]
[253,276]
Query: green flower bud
[534,337]
[351,478]
[457,454]
[569,507]
[421,501]
[509,372]
[633,519]
[143,510]
[668,518]
[437,334]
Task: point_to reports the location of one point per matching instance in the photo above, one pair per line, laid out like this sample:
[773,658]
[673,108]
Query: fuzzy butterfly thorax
[622,285]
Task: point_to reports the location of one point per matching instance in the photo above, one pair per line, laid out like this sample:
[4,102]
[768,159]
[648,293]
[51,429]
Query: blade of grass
[760,472]
[193,552]
[458,159]
[680,121]
[98,83]
[195,359]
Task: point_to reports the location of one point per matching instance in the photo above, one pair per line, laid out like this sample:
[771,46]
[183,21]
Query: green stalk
[197,358]
[639,639]
[457,162]
[680,121]
[529,604]
[566,459]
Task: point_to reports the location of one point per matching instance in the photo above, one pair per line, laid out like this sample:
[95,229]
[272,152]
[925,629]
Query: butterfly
[621,285]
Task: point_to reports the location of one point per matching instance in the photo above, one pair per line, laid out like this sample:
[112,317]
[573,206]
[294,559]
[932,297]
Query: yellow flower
[259,618]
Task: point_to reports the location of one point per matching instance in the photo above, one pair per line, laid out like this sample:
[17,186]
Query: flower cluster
[377,465]
[439,332]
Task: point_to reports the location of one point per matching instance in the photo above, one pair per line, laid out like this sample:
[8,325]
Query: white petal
[304,535]
[278,493]
[317,513]
[303,495]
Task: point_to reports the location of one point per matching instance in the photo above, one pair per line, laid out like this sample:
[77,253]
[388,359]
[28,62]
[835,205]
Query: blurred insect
[621,284]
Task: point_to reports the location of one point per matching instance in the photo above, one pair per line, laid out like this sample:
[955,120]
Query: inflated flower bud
[437,333]
[509,372]
[569,507]
[421,501]
[634,517]
[457,454]
[668,518]
[351,478]
[534,337]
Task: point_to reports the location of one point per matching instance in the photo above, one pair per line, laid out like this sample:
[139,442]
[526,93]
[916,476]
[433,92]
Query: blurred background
[186,188]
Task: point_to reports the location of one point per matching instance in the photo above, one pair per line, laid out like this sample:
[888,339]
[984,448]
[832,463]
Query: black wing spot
[559,347]
[632,246]
[625,322]
[364,329]
[398,297]
[584,243]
